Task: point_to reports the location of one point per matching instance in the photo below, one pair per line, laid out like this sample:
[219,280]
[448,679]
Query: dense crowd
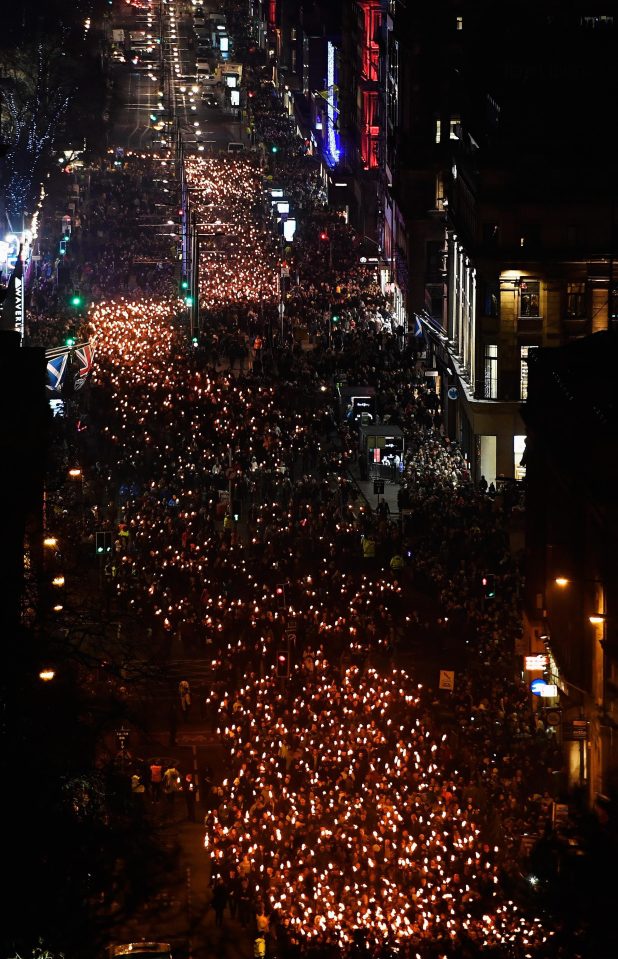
[356,816]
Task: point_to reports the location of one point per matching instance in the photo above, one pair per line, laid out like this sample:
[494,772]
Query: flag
[84,353]
[418,329]
[84,357]
[56,368]
[13,307]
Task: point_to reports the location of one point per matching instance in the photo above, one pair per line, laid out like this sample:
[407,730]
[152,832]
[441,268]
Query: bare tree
[35,91]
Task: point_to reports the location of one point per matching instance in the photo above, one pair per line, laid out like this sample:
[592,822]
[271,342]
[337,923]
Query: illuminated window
[459,23]
[455,129]
[438,130]
[524,354]
[491,371]
[530,298]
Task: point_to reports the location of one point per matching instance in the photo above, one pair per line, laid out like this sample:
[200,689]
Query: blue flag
[418,329]
[56,369]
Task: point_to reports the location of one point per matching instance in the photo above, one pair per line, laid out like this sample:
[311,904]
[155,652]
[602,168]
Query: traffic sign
[378,487]
[447,679]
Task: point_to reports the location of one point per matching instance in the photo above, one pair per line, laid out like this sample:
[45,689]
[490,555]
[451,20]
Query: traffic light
[70,341]
[77,299]
[184,283]
[324,236]
[103,542]
[274,148]
[283,664]
[489,585]
[334,315]
[280,594]
[188,301]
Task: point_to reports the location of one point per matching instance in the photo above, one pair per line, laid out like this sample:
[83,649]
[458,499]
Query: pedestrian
[138,792]
[190,791]
[184,691]
[262,920]
[219,900]
[156,779]
[259,947]
[233,885]
[171,785]
[244,902]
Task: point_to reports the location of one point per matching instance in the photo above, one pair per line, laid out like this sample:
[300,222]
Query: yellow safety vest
[369,548]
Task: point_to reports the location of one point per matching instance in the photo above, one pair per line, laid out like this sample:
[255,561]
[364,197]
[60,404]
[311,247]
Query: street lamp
[76,473]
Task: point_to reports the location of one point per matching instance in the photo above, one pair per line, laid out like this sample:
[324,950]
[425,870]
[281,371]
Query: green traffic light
[274,148]
[153,117]
[70,341]
[76,300]
[195,341]
[184,285]
[188,301]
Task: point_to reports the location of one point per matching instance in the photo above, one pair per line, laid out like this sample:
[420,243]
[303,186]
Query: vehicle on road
[235,146]
[142,948]
[210,101]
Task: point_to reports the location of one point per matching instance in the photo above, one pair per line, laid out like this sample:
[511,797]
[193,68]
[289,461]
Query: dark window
[576,301]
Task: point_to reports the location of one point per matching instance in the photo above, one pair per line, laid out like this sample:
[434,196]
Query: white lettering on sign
[535,662]
[19,305]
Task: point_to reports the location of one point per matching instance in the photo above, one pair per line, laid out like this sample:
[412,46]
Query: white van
[235,147]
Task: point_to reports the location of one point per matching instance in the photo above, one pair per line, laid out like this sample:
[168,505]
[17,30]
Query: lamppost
[76,473]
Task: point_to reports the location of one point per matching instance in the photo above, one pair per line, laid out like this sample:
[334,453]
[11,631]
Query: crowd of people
[356,818]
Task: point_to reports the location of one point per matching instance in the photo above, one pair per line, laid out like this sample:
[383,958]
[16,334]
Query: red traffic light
[324,235]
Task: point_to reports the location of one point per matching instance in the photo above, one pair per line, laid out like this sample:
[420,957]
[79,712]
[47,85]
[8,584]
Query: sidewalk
[366,488]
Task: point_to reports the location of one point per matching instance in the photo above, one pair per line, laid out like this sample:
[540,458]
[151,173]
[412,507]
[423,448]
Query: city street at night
[308,614]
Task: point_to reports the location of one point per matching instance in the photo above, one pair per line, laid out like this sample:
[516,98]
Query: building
[485,137]
[571,416]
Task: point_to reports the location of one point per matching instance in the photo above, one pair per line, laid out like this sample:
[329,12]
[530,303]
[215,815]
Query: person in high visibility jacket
[397,562]
[369,547]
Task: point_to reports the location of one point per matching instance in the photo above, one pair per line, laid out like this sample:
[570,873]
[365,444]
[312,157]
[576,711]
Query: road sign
[378,487]
[447,679]
[122,735]
[553,716]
